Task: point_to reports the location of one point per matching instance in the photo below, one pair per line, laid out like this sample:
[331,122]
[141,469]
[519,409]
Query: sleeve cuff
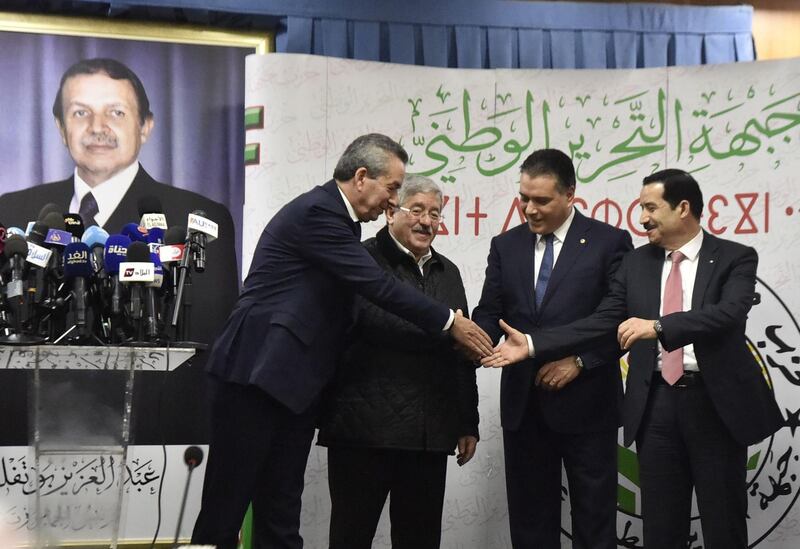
[450,320]
[531,350]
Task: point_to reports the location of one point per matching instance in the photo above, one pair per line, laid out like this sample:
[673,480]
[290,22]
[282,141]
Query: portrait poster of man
[187,151]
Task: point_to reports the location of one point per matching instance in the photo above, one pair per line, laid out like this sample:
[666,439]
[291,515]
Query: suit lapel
[650,277]
[64,192]
[527,245]
[706,262]
[332,190]
[575,242]
[128,208]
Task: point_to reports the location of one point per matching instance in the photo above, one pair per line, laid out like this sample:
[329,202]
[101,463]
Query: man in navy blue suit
[549,272]
[280,345]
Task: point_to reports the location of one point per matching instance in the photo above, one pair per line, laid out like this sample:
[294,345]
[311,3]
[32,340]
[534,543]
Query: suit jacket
[180,396]
[722,296]
[286,330]
[589,256]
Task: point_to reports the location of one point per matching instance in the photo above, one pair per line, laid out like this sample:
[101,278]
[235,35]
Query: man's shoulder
[45,189]
[19,207]
[175,198]
[725,244]
[520,231]
[602,227]
[447,263]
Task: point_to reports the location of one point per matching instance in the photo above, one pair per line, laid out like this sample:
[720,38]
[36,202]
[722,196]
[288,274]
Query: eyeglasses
[417,213]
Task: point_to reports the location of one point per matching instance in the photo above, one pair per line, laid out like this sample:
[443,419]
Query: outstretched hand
[511,351]
[470,338]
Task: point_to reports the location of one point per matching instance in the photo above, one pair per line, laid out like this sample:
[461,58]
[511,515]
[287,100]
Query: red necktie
[672,361]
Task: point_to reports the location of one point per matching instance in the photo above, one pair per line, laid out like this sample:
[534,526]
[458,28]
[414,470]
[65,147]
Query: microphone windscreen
[155,235]
[134,232]
[116,252]
[138,252]
[48,209]
[54,220]
[193,456]
[94,236]
[15,245]
[38,233]
[175,235]
[149,204]
[76,261]
[73,224]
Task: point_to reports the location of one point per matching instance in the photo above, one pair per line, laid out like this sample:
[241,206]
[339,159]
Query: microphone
[48,208]
[74,226]
[151,315]
[3,235]
[192,457]
[136,271]
[134,232]
[96,238]
[115,253]
[151,214]
[174,245]
[57,235]
[39,256]
[200,232]
[16,250]
[77,269]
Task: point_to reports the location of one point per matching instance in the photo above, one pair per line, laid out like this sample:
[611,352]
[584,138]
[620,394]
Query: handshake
[476,344]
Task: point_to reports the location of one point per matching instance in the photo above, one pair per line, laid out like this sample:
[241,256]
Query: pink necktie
[672,361]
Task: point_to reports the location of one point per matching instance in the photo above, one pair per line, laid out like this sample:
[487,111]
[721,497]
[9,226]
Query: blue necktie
[545,270]
[88,209]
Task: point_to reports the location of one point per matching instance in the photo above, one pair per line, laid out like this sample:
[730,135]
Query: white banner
[735,127]
[78,494]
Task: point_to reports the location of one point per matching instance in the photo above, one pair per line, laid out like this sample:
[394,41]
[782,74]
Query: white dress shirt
[108,194]
[422,260]
[688,269]
[559,235]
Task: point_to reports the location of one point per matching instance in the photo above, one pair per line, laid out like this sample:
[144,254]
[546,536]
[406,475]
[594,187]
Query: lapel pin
[583,241]
[711,261]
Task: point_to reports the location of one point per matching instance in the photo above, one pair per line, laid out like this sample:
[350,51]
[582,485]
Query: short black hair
[551,162]
[371,151]
[113,69]
[678,186]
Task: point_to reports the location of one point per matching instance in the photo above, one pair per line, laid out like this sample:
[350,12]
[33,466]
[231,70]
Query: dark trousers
[258,454]
[533,457]
[682,444]
[359,481]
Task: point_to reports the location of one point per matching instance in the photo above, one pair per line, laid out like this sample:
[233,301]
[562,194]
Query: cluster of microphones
[63,283]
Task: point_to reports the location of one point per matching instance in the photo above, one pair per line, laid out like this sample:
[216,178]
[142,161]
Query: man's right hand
[511,351]
[470,337]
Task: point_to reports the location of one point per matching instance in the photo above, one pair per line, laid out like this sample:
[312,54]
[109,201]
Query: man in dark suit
[695,397]
[103,114]
[549,272]
[280,345]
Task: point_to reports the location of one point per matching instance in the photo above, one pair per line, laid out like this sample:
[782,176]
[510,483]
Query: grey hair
[415,184]
[372,151]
